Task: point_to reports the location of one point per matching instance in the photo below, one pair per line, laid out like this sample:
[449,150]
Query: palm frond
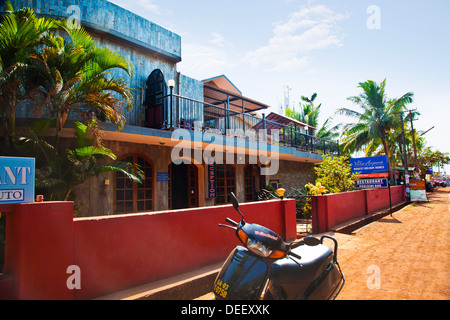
[125,168]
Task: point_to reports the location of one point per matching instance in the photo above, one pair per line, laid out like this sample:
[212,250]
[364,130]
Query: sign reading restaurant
[375,168]
[16,180]
[371,183]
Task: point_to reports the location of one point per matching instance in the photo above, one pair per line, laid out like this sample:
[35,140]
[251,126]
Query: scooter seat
[294,275]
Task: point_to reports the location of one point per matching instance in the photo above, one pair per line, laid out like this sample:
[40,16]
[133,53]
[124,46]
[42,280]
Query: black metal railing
[190,113]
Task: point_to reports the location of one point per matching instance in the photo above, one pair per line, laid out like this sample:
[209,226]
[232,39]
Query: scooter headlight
[258,247]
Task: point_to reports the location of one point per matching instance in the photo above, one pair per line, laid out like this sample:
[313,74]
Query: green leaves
[20,32]
[60,74]
[57,174]
[377,116]
[309,114]
[334,173]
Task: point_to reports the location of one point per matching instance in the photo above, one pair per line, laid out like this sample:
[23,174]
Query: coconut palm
[309,114]
[378,115]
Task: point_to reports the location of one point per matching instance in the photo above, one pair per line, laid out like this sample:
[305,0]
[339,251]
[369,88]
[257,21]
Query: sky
[269,48]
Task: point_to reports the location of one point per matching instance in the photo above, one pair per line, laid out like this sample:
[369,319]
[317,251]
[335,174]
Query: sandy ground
[403,257]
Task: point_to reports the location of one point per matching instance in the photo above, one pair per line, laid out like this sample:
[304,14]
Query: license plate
[221,288]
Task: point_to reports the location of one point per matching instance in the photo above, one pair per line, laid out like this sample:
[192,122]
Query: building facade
[196,141]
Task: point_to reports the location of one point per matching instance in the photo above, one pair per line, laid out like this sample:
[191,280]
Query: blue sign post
[16,180]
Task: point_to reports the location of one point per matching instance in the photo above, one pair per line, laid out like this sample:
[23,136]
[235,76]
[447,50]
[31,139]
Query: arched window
[156,90]
[130,196]
[226,182]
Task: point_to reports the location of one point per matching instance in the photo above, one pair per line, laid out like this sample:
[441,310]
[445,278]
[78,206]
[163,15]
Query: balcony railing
[187,113]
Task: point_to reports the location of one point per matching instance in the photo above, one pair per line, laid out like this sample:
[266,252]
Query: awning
[218,96]
[277,121]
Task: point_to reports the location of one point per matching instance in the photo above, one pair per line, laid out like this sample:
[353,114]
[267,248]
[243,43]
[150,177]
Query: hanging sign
[17,180]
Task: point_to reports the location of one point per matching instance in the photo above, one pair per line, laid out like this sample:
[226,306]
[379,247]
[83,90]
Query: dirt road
[406,256]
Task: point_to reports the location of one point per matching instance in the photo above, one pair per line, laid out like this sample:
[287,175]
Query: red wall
[38,250]
[332,209]
[118,252]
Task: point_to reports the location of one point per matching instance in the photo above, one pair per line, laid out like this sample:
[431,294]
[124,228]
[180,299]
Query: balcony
[182,112]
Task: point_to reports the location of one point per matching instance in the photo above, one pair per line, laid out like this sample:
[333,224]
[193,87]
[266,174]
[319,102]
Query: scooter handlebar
[233,226]
[234,223]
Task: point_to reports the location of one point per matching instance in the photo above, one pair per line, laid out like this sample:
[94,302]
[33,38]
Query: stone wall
[95,197]
[292,174]
[107,17]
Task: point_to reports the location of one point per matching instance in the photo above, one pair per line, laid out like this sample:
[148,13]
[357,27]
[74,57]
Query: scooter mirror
[236,204]
[311,241]
[234,201]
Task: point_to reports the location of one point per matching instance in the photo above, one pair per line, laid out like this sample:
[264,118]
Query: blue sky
[326,47]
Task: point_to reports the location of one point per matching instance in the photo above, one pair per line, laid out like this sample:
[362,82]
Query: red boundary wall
[118,252]
[332,209]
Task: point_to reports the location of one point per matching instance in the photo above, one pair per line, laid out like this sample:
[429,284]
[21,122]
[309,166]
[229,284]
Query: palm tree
[57,174]
[20,32]
[378,116]
[309,114]
[74,74]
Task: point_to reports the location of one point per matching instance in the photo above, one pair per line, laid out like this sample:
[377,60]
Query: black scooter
[267,268]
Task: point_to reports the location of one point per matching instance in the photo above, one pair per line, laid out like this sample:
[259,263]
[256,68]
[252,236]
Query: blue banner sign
[371,183]
[16,180]
[369,165]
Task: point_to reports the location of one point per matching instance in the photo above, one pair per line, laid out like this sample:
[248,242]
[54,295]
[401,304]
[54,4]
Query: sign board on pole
[369,165]
[17,180]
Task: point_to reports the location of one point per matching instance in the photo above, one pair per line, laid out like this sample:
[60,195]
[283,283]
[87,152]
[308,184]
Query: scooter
[267,268]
